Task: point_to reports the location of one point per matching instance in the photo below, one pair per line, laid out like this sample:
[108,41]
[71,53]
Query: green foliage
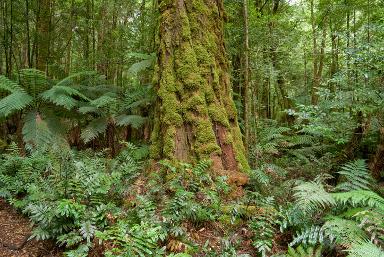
[302,251]
[68,196]
[311,196]
[357,176]
[133,239]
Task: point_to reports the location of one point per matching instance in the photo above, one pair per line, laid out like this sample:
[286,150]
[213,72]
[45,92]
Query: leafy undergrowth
[92,205]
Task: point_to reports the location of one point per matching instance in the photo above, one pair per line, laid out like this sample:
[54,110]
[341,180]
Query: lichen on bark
[196,116]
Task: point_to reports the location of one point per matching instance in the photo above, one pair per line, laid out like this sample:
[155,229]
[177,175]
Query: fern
[364,250]
[14,102]
[357,176]
[135,121]
[302,251]
[359,198]
[94,128]
[344,232]
[310,196]
[309,236]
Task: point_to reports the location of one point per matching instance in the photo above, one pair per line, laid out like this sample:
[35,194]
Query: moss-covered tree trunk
[196,116]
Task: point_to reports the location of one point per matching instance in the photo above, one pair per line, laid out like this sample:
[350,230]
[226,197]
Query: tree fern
[63,96]
[94,128]
[135,121]
[33,81]
[16,101]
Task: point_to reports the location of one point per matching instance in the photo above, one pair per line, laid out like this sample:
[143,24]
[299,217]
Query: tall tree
[246,75]
[196,116]
[43,28]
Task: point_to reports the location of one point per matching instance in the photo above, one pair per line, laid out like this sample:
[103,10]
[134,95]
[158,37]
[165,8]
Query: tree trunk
[246,76]
[42,28]
[196,116]
[377,163]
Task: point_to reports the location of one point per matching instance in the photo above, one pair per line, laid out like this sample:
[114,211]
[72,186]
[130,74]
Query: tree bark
[196,116]
[377,162]
[42,28]
[246,76]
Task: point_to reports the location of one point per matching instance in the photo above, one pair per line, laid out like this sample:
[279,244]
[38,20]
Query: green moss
[218,114]
[205,138]
[169,142]
[239,148]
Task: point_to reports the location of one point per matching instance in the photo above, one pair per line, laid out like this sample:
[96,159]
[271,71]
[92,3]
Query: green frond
[309,236]
[146,62]
[302,251]
[76,78]
[8,85]
[344,232]
[94,128]
[311,197]
[64,96]
[35,130]
[358,198]
[16,101]
[135,121]
[103,101]
[357,176]
[33,81]
[364,250]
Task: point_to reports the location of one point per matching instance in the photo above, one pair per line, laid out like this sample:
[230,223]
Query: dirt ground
[14,233]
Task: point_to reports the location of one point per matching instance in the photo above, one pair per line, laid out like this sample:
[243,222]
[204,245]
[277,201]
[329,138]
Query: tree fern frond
[35,130]
[74,78]
[94,128]
[33,81]
[16,101]
[135,121]
[8,85]
[146,62]
[88,109]
[103,101]
[63,96]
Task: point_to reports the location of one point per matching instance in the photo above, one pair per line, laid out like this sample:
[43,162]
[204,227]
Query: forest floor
[15,230]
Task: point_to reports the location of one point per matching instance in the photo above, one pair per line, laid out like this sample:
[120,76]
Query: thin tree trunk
[246,76]
[377,162]
[42,28]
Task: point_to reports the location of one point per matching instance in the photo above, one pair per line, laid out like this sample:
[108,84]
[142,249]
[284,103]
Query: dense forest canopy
[192,128]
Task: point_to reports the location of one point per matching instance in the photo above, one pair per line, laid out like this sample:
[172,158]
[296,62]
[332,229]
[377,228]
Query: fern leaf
[14,102]
[8,85]
[94,128]
[33,81]
[360,198]
[135,121]
[311,196]
[357,176]
[344,232]
[364,250]
[63,96]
